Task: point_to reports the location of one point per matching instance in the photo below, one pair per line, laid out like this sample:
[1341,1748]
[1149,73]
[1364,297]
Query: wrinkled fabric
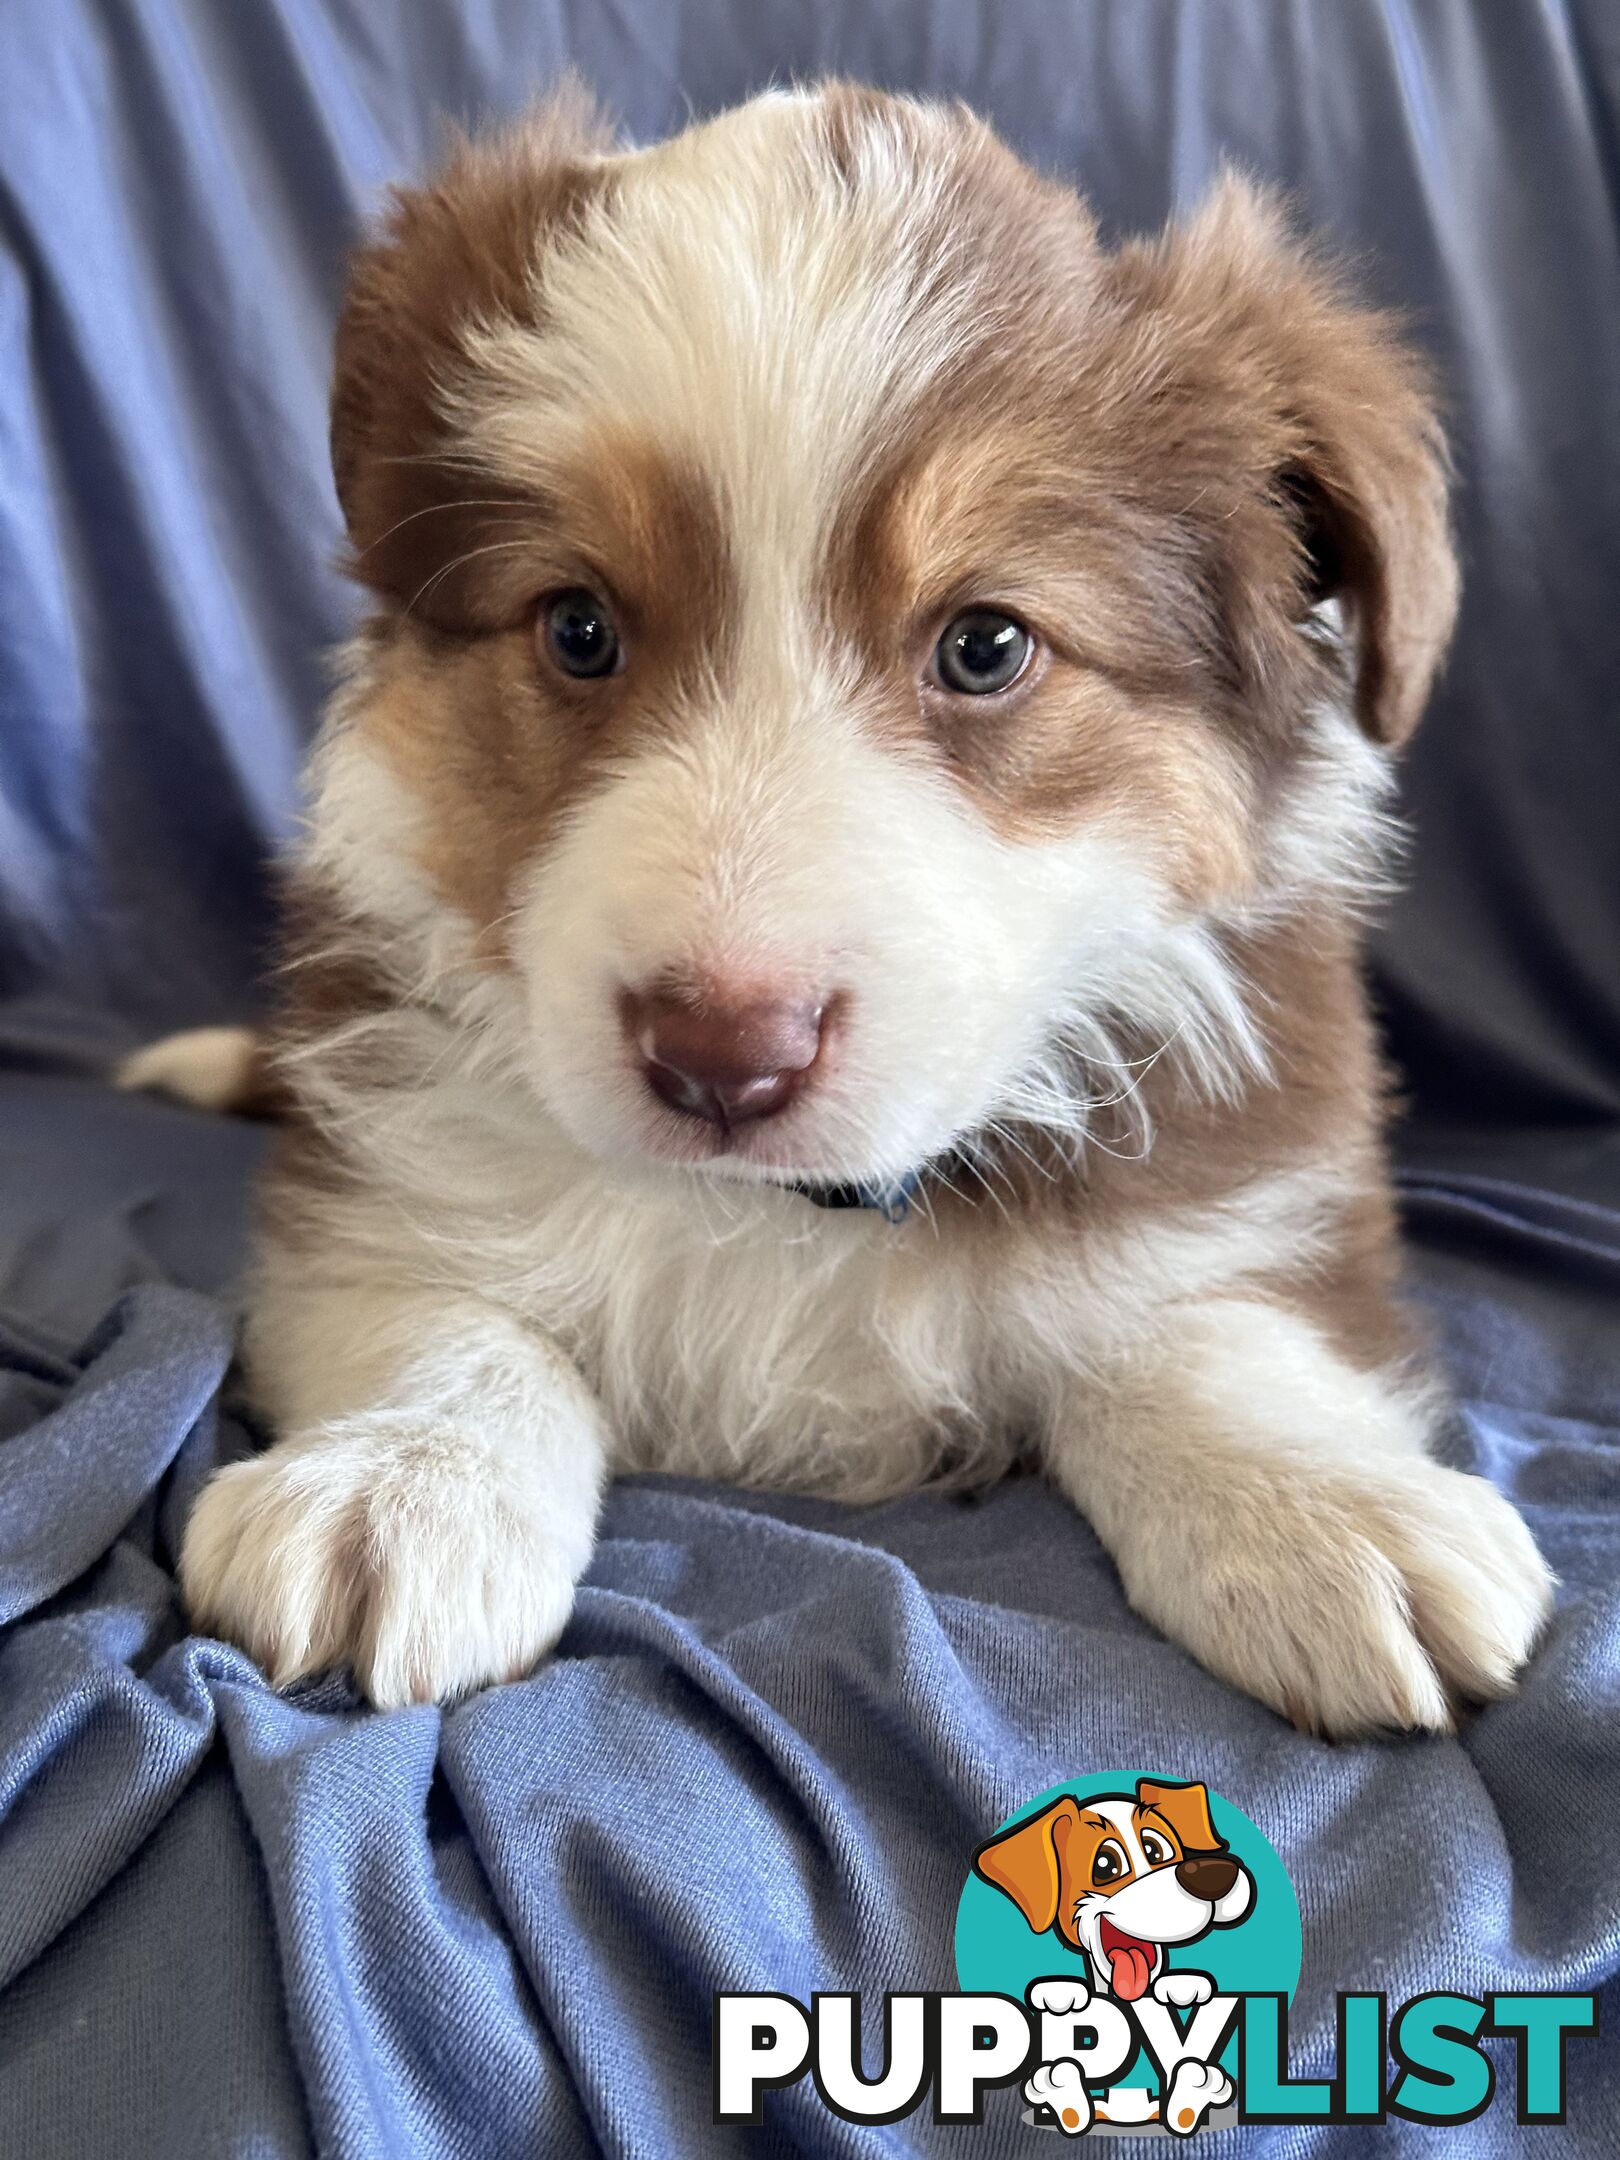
[771,1738]
[232,1922]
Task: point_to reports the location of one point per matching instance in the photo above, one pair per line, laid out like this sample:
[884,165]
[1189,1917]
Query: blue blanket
[770,1740]
[232,1922]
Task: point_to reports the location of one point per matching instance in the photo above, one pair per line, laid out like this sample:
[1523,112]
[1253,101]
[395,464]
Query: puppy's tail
[212,1068]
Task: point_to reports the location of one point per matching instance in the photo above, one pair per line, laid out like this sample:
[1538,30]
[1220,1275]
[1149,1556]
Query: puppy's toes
[471,1588]
[1347,1662]
[1282,1585]
[258,1564]
[1313,1619]
[1349,1600]
[1480,1591]
[386,1543]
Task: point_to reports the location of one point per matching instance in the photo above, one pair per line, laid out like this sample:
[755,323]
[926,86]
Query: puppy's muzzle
[719,1059]
[1207,1875]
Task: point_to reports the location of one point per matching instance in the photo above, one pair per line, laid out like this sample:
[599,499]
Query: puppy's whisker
[993,1178]
[475,502]
[493,547]
[1006,1135]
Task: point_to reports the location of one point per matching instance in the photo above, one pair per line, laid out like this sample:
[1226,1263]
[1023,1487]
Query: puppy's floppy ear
[1026,1862]
[458,252]
[1186,1809]
[1310,423]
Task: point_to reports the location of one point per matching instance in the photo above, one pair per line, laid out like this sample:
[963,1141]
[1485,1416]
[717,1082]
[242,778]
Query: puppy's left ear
[1306,433]
[1186,1809]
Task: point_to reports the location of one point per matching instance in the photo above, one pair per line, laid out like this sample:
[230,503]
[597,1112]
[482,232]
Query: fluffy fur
[793,390]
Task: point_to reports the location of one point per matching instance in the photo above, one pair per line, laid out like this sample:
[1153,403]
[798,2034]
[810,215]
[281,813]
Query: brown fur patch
[1323,421]
[263,1094]
[495,744]
[1113,721]
[1159,463]
[460,250]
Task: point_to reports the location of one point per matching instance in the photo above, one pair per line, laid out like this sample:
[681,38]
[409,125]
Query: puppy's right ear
[1026,1862]
[460,251]
[1298,430]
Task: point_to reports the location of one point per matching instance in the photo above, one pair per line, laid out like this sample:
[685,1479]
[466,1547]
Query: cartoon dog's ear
[1026,1862]
[1186,1809]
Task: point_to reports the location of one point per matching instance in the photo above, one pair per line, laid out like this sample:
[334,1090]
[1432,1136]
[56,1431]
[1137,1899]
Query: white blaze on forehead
[1118,1812]
[738,300]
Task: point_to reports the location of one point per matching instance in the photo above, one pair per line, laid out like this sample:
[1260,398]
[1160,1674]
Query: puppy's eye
[1108,1864]
[981,652]
[579,633]
[1154,1849]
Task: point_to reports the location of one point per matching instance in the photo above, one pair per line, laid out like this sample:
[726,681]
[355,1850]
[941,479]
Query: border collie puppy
[826,947]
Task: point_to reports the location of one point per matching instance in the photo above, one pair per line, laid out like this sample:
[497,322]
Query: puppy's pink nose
[720,1059]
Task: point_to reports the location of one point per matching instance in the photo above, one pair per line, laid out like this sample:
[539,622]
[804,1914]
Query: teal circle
[997,1952]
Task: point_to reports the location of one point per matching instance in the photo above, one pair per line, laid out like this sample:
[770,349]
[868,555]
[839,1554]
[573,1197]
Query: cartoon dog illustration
[1120,1878]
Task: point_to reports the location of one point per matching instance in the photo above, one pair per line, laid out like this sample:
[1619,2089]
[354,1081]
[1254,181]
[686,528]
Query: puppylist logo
[1126,1950]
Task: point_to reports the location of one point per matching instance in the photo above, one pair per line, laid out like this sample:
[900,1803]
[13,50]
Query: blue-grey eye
[982,651]
[580,633]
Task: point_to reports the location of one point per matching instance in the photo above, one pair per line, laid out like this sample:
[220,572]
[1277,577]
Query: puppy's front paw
[384,1542]
[1348,1600]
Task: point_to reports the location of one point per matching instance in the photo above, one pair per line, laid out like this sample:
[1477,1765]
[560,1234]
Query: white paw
[1480,1591]
[1195,2088]
[1183,1990]
[1059,1998]
[1061,2087]
[384,1542]
[1349,1600]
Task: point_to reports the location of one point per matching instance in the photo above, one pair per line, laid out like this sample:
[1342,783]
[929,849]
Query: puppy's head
[848,640]
[1118,1877]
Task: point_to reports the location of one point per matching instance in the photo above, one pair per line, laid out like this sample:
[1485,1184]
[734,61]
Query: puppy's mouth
[1131,1962]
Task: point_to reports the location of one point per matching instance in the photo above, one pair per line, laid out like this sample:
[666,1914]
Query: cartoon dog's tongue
[1129,1961]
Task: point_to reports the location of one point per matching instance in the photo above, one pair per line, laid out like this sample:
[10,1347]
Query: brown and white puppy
[870,694]
[1121,1877]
